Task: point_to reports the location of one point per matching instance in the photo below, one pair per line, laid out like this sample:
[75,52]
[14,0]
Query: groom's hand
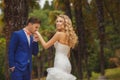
[12,69]
[35,37]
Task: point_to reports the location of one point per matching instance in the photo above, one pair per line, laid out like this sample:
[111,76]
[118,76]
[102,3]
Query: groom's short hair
[33,20]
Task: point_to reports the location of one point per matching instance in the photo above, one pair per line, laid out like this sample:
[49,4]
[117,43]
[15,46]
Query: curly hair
[71,35]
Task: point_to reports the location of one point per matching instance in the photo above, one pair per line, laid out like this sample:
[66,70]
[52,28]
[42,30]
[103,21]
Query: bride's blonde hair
[71,35]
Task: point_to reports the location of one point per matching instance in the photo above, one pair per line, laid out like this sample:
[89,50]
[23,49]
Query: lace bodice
[61,48]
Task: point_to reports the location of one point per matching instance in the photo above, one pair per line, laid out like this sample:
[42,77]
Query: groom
[22,45]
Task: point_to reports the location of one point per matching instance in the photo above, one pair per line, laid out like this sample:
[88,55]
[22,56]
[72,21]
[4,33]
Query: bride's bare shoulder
[60,33]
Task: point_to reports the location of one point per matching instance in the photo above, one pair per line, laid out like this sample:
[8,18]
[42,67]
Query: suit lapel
[31,39]
[25,38]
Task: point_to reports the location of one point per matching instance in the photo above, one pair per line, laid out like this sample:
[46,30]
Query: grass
[110,74]
[113,74]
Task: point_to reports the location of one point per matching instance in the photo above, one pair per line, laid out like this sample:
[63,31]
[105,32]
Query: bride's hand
[35,37]
[37,33]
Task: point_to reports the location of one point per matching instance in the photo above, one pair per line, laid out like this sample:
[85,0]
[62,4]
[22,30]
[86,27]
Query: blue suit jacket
[20,52]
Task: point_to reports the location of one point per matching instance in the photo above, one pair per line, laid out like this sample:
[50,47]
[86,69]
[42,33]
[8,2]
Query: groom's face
[34,27]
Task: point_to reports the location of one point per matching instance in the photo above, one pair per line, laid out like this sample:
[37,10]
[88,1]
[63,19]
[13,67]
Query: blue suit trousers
[21,75]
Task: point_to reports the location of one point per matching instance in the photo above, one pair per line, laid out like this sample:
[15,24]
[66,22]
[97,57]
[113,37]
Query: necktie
[28,32]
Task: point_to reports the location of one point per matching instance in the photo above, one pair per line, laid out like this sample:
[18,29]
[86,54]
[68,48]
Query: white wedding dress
[62,66]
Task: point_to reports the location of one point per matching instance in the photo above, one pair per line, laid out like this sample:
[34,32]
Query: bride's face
[60,24]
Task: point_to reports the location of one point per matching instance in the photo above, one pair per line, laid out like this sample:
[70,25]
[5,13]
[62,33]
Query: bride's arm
[50,42]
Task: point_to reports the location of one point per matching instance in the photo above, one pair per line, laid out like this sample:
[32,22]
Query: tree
[81,34]
[63,5]
[101,33]
[46,6]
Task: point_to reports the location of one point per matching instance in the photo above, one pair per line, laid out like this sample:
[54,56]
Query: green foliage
[1,23]
[94,60]
[59,4]
[112,37]
[53,15]
[2,57]
[46,6]
[43,15]
[111,74]
[33,4]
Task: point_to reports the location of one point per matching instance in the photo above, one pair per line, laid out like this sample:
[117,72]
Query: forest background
[96,22]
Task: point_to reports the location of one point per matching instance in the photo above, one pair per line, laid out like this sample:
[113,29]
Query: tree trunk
[15,16]
[63,5]
[81,35]
[87,65]
[73,60]
[38,67]
[101,33]
[68,8]
[111,14]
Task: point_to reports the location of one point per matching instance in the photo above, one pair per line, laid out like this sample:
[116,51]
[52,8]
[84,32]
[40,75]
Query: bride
[63,40]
